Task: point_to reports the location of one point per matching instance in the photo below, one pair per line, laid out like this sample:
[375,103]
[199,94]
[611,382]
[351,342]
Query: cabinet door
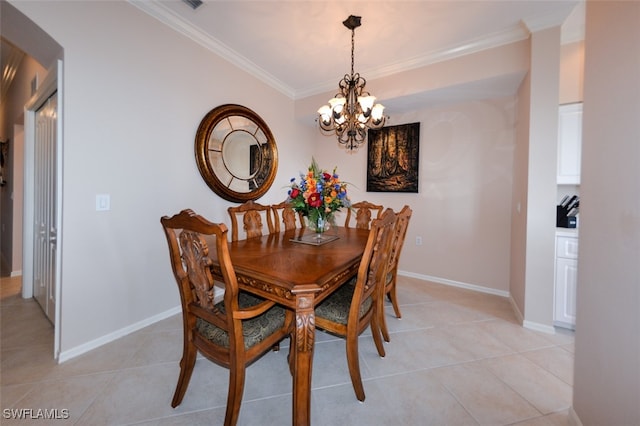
[569,143]
[565,292]
[567,247]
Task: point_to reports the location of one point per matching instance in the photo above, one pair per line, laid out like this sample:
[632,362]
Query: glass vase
[319,226]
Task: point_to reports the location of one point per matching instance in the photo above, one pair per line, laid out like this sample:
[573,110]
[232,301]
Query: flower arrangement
[318,195]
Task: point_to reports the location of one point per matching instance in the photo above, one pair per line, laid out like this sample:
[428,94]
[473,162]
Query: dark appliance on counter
[566,212]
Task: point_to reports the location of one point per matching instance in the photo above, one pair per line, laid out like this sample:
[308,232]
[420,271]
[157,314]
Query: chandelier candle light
[352,111]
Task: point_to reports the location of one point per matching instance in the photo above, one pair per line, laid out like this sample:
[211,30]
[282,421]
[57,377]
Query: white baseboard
[86,347]
[527,324]
[93,344]
[530,324]
[16,274]
[539,327]
[567,325]
[453,283]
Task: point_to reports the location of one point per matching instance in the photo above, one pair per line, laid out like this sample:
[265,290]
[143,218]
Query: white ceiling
[302,48]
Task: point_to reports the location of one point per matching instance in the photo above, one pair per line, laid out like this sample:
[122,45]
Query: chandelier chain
[353,47]
[351,112]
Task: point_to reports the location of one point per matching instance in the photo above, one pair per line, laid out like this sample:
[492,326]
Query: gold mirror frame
[236,153]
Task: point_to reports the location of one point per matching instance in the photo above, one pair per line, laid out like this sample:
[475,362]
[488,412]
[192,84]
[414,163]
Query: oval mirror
[236,153]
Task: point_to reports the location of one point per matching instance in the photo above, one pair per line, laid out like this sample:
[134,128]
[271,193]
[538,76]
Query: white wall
[133,104]
[462,210]
[542,178]
[571,73]
[520,205]
[132,107]
[570,90]
[607,345]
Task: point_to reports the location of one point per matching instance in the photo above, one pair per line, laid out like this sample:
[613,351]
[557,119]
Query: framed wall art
[392,158]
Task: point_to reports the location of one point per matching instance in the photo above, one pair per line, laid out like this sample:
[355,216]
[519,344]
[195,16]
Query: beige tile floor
[457,357]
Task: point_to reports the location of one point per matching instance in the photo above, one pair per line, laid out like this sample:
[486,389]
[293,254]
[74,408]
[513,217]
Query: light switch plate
[103,202]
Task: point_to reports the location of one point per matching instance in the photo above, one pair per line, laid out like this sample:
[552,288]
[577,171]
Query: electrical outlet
[418,241]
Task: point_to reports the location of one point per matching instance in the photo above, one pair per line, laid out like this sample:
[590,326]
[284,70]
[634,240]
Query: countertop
[567,232]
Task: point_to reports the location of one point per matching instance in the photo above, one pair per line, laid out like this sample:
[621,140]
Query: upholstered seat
[333,309]
[254,330]
[232,333]
[364,213]
[355,305]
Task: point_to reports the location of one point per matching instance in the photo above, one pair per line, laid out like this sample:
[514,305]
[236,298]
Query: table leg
[304,341]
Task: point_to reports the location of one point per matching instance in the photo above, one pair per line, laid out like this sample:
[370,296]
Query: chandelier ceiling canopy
[352,111]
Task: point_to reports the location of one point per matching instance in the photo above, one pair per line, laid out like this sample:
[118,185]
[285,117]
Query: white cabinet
[564,314]
[569,144]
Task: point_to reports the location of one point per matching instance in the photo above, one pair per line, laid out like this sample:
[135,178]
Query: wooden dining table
[298,276]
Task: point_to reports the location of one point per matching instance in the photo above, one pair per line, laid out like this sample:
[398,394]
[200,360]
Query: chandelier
[352,111]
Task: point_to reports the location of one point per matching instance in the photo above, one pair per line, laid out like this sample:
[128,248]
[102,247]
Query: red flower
[294,193]
[314,200]
[326,176]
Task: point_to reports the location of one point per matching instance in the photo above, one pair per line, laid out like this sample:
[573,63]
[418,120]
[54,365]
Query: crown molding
[576,33]
[544,22]
[174,21]
[549,20]
[497,39]
[514,34]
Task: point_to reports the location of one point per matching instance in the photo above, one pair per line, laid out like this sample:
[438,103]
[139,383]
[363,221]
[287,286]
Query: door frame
[51,84]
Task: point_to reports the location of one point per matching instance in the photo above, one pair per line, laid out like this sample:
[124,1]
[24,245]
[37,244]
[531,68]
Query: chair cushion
[389,278]
[336,307]
[254,330]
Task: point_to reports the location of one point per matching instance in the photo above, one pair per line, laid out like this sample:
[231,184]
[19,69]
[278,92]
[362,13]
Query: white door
[45,221]
[42,230]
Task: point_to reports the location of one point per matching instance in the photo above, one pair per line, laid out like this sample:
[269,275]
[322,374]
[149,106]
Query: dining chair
[363,214]
[253,216]
[397,242]
[232,333]
[284,215]
[354,306]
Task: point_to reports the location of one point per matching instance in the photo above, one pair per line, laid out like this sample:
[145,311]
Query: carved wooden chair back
[364,212]
[397,242]
[233,332]
[354,306]
[286,218]
[254,217]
